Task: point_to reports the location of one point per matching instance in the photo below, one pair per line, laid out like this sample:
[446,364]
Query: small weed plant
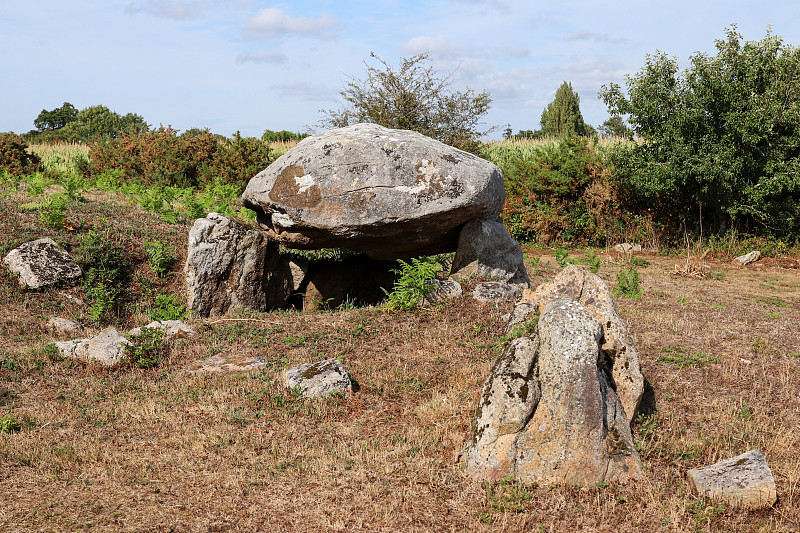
[146,350]
[159,257]
[168,307]
[628,283]
[9,424]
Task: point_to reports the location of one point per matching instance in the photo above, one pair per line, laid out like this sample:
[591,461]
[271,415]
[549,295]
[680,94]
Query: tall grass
[62,158]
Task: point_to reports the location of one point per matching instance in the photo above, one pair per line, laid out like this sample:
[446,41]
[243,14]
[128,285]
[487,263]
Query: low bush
[15,157]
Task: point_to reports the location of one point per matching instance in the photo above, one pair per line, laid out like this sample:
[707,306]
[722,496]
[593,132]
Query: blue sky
[251,65]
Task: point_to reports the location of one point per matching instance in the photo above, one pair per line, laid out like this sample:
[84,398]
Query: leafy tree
[57,118]
[282,136]
[415,97]
[101,121]
[615,127]
[562,116]
[721,138]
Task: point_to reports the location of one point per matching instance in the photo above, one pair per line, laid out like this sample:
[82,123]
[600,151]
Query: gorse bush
[15,157]
[559,190]
[164,158]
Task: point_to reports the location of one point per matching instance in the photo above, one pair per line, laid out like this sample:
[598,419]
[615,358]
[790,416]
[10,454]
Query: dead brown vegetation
[128,449]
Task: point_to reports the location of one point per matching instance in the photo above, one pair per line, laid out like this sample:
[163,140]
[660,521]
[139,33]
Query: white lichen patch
[282,219]
[304,183]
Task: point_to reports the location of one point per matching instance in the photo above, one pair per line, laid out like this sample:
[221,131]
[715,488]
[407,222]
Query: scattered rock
[319,379]
[107,347]
[547,414]
[41,263]
[495,291]
[440,291]
[746,259]
[227,364]
[393,194]
[358,279]
[619,356]
[230,266]
[171,328]
[743,481]
[486,249]
[63,326]
[626,248]
[522,312]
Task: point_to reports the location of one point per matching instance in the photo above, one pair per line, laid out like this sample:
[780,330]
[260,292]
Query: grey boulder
[323,378]
[486,249]
[107,347]
[390,193]
[495,291]
[743,481]
[41,263]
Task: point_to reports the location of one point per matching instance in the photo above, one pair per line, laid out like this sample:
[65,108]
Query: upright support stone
[486,249]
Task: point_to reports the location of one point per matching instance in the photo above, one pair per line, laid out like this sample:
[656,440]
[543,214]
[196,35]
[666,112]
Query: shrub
[103,260]
[719,142]
[168,307]
[15,157]
[147,349]
[53,211]
[628,283]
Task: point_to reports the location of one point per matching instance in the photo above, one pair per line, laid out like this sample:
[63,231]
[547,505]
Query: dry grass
[162,450]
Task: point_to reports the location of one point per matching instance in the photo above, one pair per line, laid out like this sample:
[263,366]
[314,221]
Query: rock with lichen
[320,379]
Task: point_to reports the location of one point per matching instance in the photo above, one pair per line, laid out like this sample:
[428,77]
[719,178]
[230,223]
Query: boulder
[547,414]
[619,355]
[495,291]
[231,266]
[486,249]
[107,347]
[320,379]
[41,263]
[626,248]
[439,291]
[748,258]
[743,481]
[390,193]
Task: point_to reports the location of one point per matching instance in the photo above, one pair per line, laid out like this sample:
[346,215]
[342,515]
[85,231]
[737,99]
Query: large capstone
[390,193]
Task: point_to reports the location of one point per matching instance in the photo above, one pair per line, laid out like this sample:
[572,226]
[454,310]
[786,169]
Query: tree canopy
[721,137]
[57,118]
[413,96]
[562,116]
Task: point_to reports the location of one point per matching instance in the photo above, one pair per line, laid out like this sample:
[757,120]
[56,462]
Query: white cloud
[307,90]
[587,35]
[174,9]
[260,59]
[272,21]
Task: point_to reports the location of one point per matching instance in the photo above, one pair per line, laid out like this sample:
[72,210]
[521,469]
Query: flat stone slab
[440,291]
[320,379]
[63,326]
[390,193]
[744,481]
[227,364]
[41,263]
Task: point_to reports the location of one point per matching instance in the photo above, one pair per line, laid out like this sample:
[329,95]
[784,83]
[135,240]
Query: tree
[562,116]
[55,119]
[101,121]
[615,126]
[413,97]
[722,137]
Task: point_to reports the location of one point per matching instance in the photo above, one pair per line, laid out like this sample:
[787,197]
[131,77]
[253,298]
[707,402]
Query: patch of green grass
[639,262]
[771,300]
[9,424]
[681,357]
[628,283]
[772,315]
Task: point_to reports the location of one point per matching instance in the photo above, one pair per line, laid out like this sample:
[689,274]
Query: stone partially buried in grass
[320,379]
[743,481]
[107,347]
[41,263]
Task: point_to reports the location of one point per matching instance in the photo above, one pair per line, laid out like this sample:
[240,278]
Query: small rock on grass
[63,326]
[171,328]
[746,259]
[440,291]
[743,481]
[41,263]
[320,379]
[227,364]
[495,291]
[107,347]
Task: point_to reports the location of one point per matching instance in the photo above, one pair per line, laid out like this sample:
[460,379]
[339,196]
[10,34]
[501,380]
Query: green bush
[719,143]
[146,350]
[562,190]
[105,268]
[411,285]
[168,307]
[53,211]
[15,157]
[628,283]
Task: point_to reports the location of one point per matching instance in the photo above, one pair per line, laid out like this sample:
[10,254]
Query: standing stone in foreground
[743,481]
[230,266]
[392,194]
[547,414]
[486,249]
[41,263]
[619,355]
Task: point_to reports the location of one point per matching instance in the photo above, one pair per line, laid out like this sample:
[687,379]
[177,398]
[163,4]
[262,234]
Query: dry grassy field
[132,449]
